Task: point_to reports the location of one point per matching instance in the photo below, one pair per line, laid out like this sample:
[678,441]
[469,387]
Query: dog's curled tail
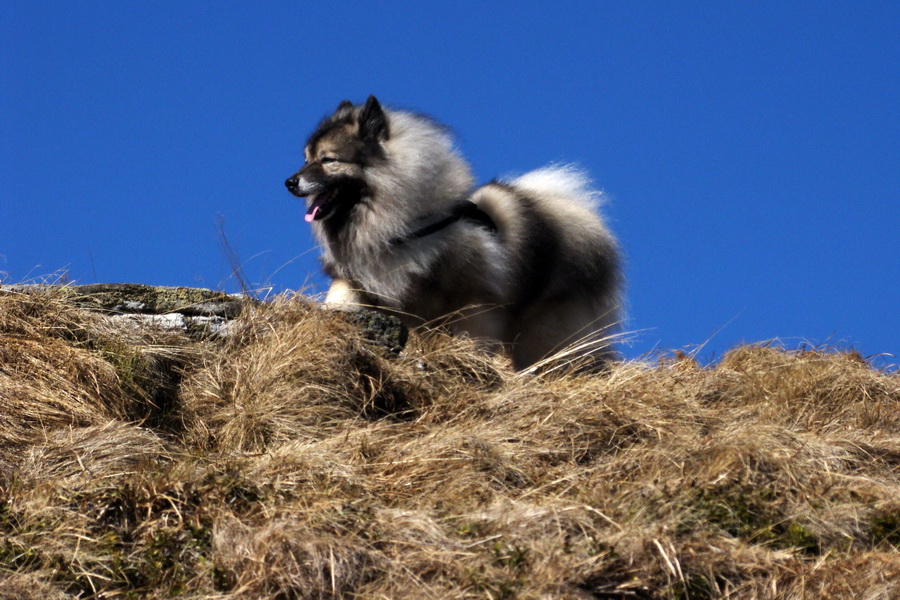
[560,196]
[564,182]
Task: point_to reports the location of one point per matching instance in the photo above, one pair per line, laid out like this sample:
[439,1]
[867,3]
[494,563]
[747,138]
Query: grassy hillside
[291,460]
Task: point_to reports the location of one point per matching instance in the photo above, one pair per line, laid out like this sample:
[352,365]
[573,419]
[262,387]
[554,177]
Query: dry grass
[293,461]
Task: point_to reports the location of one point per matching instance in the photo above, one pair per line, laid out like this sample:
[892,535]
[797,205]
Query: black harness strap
[466,210]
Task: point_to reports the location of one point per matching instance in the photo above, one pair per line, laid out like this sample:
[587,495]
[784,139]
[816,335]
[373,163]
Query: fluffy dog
[525,265]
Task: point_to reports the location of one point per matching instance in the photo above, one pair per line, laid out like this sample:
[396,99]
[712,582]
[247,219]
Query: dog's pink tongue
[312,213]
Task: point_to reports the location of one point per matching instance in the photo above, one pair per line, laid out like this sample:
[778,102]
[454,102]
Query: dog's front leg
[341,295]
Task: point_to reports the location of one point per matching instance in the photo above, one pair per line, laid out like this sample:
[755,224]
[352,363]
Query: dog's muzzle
[302,187]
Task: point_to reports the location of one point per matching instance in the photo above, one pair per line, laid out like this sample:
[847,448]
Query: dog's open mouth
[321,205]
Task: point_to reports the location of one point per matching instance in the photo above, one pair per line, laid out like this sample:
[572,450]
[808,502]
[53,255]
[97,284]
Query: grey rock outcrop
[200,312]
[192,310]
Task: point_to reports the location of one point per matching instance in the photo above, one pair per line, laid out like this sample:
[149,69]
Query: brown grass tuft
[294,460]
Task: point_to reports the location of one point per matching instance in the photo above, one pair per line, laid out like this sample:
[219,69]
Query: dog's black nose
[291,183]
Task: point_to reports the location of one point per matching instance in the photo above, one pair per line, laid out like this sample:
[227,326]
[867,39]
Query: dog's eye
[329,159]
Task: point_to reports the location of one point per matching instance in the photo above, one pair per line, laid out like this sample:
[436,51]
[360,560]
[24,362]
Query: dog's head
[337,155]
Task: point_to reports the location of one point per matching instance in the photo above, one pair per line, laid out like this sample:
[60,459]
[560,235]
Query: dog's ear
[373,125]
[344,110]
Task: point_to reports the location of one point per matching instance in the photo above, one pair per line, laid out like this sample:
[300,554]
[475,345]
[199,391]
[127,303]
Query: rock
[200,312]
[384,331]
[194,311]
[157,300]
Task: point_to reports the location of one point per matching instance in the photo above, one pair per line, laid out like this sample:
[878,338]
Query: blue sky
[750,152]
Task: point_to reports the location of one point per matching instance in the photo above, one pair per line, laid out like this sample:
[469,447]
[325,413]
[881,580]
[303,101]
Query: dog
[525,265]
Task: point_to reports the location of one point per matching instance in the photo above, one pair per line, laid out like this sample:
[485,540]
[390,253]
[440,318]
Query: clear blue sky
[750,151]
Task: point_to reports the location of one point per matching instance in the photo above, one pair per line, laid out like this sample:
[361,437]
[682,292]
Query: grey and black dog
[525,265]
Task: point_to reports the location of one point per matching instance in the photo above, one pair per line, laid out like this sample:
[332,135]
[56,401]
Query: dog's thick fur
[535,270]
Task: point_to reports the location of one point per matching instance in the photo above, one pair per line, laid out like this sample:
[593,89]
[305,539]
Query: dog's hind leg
[579,331]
